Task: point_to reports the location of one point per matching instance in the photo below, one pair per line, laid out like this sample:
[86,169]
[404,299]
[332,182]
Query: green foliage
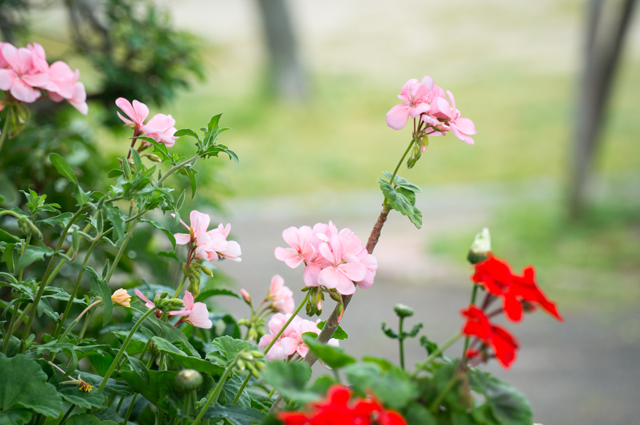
[290,379]
[334,357]
[401,196]
[338,334]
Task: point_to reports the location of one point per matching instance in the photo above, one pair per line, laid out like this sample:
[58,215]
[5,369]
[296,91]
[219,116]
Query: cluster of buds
[166,304]
[28,228]
[316,298]
[251,361]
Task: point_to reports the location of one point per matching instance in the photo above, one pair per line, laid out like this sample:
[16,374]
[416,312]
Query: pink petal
[468,140]
[232,251]
[128,122]
[7,77]
[289,345]
[126,107]
[79,98]
[310,274]
[24,92]
[397,117]
[330,277]
[290,236]
[182,238]
[265,340]
[140,295]
[199,316]
[277,282]
[418,109]
[354,271]
[36,80]
[466,126]
[141,110]
[188,300]
[199,222]
[427,82]
[289,256]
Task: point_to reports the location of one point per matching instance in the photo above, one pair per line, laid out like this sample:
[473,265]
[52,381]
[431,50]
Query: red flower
[336,410]
[477,324]
[496,277]
[504,345]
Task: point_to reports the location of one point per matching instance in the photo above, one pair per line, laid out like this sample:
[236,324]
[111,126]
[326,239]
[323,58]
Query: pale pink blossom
[38,58]
[161,128]
[460,127]
[290,341]
[413,95]
[147,302]
[212,244]
[195,314]
[280,296]
[136,113]
[19,79]
[344,268]
[301,249]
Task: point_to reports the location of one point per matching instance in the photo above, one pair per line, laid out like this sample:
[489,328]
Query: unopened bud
[152,157]
[188,380]
[241,364]
[206,270]
[121,297]
[257,354]
[403,310]
[28,228]
[246,296]
[480,248]
[166,304]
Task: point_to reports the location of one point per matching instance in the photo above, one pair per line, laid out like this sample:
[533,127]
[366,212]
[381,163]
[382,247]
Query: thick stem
[124,347]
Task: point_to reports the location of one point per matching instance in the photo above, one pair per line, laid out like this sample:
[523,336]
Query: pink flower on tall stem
[344,267]
[301,249]
[460,127]
[281,296]
[195,314]
[20,79]
[161,129]
[136,113]
[413,95]
[208,245]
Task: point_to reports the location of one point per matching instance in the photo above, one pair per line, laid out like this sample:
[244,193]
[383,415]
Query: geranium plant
[162,357]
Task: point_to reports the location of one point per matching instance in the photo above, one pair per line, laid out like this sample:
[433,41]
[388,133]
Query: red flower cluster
[503,343]
[496,277]
[337,409]
[517,293]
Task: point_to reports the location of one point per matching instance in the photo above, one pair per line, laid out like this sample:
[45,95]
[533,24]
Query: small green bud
[166,304]
[188,380]
[241,364]
[403,310]
[257,354]
[28,228]
[480,248]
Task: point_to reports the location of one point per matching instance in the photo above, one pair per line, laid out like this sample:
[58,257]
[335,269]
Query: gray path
[583,371]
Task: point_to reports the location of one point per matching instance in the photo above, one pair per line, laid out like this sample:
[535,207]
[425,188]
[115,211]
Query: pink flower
[460,127]
[290,341]
[161,128]
[38,58]
[301,249]
[245,295]
[136,113]
[280,295]
[20,79]
[147,301]
[209,245]
[413,95]
[195,314]
[344,268]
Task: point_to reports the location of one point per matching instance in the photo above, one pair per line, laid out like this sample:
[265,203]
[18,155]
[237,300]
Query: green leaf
[82,399]
[166,231]
[289,379]
[114,216]
[33,253]
[139,367]
[63,168]
[417,414]
[230,390]
[101,289]
[184,359]
[116,172]
[186,132]
[228,348]
[507,404]
[338,334]
[192,179]
[401,200]
[235,414]
[390,333]
[429,345]
[402,182]
[15,417]
[154,327]
[334,357]
[137,161]
[87,419]
[215,292]
[392,385]
[24,384]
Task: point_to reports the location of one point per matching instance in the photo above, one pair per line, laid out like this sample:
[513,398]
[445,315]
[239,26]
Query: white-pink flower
[413,95]
[460,127]
[209,245]
[161,129]
[196,314]
[301,249]
[136,113]
[20,79]
[281,297]
[290,341]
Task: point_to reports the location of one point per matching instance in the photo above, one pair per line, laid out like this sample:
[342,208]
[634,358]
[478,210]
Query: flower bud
[28,228]
[121,297]
[257,354]
[403,310]
[480,248]
[166,304]
[188,380]
[246,296]
[241,364]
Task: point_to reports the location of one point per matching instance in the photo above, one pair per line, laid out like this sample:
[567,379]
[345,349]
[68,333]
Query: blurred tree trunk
[286,75]
[603,47]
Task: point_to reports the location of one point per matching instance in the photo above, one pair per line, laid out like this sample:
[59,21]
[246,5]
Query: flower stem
[401,341]
[273,341]
[7,337]
[176,168]
[434,405]
[448,343]
[474,294]
[5,129]
[124,347]
[77,319]
[216,392]
[184,279]
[400,162]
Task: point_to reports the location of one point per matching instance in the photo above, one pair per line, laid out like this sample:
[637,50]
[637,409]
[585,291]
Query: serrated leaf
[139,367]
[397,201]
[290,379]
[159,148]
[87,419]
[24,384]
[100,288]
[32,253]
[391,384]
[235,414]
[215,292]
[334,357]
[402,182]
[228,348]
[507,404]
[15,416]
[114,216]
[338,334]
[63,167]
[184,359]
[186,132]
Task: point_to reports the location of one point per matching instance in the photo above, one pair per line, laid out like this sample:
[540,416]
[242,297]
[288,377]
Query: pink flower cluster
[208,245]
[25,73]
[160,127]
[426,101]
[281,296]
[290,341]
[334,260]
[195,314]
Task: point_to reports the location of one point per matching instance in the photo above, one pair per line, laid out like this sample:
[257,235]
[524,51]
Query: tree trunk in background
[603,48]
[285,70]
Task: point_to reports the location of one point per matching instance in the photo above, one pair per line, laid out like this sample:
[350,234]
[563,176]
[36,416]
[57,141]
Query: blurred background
[551,85]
